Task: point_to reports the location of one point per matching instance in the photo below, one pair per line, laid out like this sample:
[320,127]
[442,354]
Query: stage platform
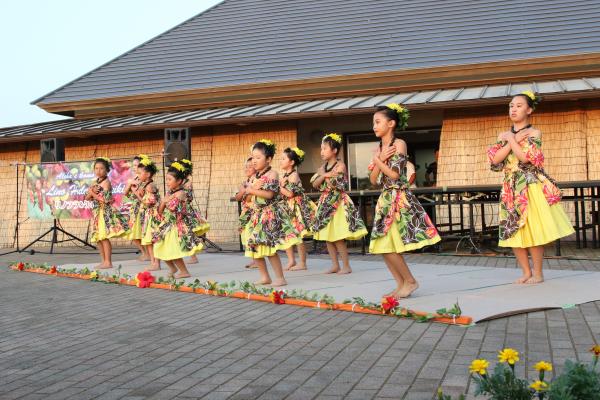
[482,292]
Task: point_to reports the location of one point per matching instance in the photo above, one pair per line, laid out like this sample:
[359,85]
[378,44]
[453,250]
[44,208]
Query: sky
[47,43]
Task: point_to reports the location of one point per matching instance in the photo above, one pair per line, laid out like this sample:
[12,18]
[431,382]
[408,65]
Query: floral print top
[302,209]
[114,221]
[333,194]
[246,210]
[149,207]
[517,177]
[175,217]
[270,222]
[398,203]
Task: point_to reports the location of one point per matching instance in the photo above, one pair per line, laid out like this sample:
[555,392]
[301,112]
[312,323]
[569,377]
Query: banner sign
[57,190]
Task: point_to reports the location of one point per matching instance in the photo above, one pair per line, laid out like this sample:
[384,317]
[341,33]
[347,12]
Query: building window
[422,145]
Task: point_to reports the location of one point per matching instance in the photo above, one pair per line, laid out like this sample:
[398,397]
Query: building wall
[218,155]
[570,135]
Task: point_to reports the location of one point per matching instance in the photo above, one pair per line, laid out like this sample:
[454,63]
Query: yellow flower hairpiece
[178,166]
[267,142]
[300,153]
[186,161]
[142,156]
[529,94]
[146,161]
[333,136]
[105,159]
[396,107]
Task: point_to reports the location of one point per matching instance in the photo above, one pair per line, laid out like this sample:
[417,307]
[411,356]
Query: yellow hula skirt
[263,251]
[392,242]
[545,223]
[135,231]
[100,233]
[202,228]
[337,228]
[147,234]
[170,249]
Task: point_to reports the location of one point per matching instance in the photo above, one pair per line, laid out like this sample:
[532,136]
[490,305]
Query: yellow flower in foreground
[508,355]
[479,367]
[543,366]
[94,275]
[539,386]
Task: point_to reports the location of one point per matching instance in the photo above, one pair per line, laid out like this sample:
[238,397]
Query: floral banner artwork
[57,190]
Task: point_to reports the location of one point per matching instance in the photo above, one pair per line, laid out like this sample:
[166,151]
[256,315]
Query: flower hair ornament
[535,100]
[300,153]
[178,166]
[333,136]
[146,161]
[186,162]
[104,158]
[142,156]
[403,114]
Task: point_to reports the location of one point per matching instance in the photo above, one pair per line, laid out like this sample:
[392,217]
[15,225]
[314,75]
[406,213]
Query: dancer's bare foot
[181,275]
[333,270]
[103,266]
[263,282]
[298,267]
[407,289]
[523,279]
[392,293]
[252,265]
[534,280]
[278,282]
[153,267]
[193,260]
[291,264]
[345,271]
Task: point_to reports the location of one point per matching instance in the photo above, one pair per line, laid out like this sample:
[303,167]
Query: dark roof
[255,41]
[555,90]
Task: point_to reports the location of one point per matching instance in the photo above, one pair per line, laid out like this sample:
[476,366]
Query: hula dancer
[336,219]
[174,239]
[400,224]
[530,213]
[133,203]
[246,207]
[270,227]
[149,198]
[301,207]
[199,224]
[108,222]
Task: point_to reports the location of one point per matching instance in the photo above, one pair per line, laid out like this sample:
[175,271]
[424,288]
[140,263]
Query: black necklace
[512,129]
[330,169]
[259,174]
[289,173]
[172,192]
[99,181]
[390,145]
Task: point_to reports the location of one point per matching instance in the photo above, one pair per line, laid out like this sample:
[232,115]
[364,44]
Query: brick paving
[69,339]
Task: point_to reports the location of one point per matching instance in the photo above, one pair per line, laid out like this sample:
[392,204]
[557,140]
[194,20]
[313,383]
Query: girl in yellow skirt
[400,224]
[149,198]
[336,218]
[108,222]
[199,224]
[530,211]
[135,218]
[270,227]
[173,238]
[302,209]
[246,207]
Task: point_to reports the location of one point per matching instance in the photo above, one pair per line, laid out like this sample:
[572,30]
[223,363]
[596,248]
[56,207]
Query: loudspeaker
[177,144]
[52,150]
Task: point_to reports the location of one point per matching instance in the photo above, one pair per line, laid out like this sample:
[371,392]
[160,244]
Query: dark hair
[389,114]
[103,162]
[137,158]
[333,144]
[151,168]
[291,154]
[531,103]
[249,159]
[177,174]
[267,150]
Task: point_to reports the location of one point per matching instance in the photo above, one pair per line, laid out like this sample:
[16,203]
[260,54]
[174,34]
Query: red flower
[144,279]
[389,303]
[20,266]
[53,269]
[277,296]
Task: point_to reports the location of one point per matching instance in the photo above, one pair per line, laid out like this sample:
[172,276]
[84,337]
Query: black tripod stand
[54,240]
